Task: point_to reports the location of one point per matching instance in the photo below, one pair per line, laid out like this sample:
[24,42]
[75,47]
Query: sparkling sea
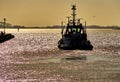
[29,43]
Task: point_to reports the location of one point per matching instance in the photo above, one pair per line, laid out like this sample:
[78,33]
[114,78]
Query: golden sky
[52,12]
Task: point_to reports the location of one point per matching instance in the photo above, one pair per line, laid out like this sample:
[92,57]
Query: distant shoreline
[59,27]
[89,27]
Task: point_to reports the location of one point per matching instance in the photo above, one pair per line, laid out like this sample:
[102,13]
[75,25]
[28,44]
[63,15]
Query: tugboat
[3,36]
[75,36]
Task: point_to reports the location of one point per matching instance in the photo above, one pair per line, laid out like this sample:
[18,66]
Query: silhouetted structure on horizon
[75,36]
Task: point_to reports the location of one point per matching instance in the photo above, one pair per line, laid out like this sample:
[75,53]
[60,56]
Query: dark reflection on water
[75,58]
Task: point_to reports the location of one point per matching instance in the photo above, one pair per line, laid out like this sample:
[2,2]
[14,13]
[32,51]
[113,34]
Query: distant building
[17,26]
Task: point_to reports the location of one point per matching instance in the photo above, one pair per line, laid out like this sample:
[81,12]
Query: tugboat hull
[81,47]
[72,44]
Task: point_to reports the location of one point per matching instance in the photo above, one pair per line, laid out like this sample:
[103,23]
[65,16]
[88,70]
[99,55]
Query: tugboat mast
[74,13]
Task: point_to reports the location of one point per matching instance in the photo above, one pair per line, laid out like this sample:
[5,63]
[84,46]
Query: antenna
[68,19]
[85,27]
[79,20]
[74,13]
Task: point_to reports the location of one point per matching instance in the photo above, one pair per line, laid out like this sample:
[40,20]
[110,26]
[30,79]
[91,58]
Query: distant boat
[5,36]
[116,28]
[75,36]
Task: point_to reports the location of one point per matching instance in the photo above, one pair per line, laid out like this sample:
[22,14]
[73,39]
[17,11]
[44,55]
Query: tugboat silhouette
[3,36]
[75,36]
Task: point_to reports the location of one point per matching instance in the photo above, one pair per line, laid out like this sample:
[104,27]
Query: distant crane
[4,24]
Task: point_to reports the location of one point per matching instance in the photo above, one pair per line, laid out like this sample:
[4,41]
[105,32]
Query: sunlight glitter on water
[33,30]
[41,40]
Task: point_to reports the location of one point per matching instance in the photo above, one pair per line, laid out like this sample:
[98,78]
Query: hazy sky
[52,12]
